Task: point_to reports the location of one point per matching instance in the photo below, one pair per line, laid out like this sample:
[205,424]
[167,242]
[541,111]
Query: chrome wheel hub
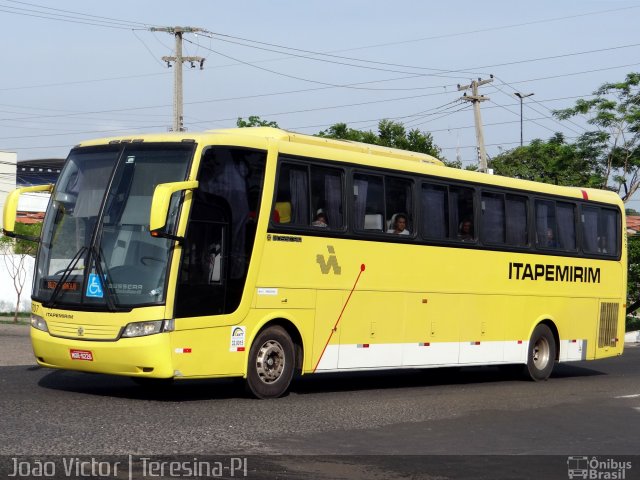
[270,361]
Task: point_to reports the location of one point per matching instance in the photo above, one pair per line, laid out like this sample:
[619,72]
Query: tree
[390,134]
[255,121]
[14,253]
[633,271]
[615,111]
[553,161]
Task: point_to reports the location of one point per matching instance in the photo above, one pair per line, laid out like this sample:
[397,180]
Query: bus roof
[420,162]
[283,136]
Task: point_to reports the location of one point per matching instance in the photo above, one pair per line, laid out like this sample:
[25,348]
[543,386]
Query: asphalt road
[444,423]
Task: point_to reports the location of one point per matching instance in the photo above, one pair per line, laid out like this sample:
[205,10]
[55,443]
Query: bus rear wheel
[271,363]
[542,353]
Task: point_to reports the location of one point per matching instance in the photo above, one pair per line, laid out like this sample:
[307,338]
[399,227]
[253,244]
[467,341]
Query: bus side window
[504,219]
[202,288]
[516,223]
[435,211]
[461,208]
[398,202]
[546,224]
[368,202]
[555,225]
[292,197]
[326,197]
[493,218]
[599,230]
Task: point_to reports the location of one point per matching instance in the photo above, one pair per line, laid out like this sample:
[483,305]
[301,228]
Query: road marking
[636,395]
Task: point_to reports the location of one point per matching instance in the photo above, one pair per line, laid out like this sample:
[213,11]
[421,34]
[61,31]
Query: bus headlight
[39,323]
[141,329]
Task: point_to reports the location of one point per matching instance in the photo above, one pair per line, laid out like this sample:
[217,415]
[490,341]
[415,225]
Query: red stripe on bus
[335,327]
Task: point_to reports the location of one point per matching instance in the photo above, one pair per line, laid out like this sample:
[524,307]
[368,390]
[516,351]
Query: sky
[76,70]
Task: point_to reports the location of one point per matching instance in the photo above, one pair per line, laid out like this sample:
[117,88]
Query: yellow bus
[261,253]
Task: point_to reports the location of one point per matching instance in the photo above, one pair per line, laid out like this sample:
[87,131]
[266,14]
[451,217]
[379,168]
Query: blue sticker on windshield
[94,287]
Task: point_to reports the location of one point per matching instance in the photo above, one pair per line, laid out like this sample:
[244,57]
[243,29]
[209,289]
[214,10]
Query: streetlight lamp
[521,96]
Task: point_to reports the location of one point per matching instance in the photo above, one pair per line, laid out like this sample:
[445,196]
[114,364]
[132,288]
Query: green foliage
[632,324]
[615,113]
[255,121]
[390,134]
[633,273]
[553,161]
[19,246]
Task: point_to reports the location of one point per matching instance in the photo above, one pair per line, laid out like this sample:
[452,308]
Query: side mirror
[160,206]
[11,210]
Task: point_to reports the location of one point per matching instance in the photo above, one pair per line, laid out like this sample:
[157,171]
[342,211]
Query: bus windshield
[96,248]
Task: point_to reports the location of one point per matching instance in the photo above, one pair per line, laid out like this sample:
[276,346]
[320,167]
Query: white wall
[7,177]
[8,294]
[33,202]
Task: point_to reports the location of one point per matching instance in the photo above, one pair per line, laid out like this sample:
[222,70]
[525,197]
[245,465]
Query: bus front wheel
[542,353]
[271,363]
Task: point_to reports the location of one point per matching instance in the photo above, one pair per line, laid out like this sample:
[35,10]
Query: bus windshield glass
[96,248]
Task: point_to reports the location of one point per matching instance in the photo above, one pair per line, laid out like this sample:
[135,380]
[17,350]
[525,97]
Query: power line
[468,71]
[555,57]
[303,79]
[307,57]
[535,101]
[147,47]
[490,29]
[75,17]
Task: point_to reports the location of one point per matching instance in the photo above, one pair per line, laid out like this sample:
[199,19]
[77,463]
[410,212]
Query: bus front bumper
[148,356]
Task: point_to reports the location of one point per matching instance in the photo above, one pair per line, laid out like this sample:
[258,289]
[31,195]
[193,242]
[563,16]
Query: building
[7,177]
[31,207]
[633,224]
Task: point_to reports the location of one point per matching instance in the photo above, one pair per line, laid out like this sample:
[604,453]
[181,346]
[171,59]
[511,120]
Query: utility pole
[178,60]
[476,99]
[521,96]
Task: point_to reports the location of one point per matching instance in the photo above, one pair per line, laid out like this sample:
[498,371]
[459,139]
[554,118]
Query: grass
[9,321]
[6,318]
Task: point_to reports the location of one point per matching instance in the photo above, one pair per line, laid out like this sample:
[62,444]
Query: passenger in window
[550,239]
[465,231]
[399,225]
[320,220]
[602,245]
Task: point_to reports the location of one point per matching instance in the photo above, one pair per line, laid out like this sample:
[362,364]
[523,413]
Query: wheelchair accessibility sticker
[94,287]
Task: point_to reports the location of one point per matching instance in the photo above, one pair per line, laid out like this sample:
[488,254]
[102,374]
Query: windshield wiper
[95,253]
[71,266]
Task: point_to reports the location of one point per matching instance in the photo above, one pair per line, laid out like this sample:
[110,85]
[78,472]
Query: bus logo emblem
[327,265]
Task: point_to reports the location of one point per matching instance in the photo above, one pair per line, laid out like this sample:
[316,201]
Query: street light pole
[521,96]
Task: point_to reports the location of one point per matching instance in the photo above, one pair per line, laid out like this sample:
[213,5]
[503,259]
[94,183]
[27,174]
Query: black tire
[271,363]
[541,356]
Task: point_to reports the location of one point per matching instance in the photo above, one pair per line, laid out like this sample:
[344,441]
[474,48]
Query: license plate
[81,355]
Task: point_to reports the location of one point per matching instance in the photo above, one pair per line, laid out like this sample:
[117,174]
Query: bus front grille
[608,324]
[83,332]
